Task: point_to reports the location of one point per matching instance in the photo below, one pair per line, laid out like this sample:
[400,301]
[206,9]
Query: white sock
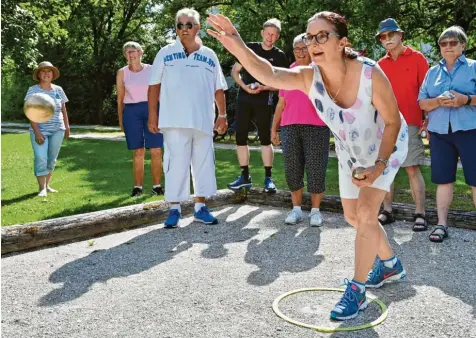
[198,206]
[313,210]
[156,186]
[297,208]
[138,186]
[176,206]
[390,263]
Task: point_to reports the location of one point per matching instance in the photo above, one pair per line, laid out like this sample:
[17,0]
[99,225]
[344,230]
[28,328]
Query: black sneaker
[158,191]
[136,192]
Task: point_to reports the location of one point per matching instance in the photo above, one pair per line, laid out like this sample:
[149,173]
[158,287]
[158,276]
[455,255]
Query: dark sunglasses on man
[187,25]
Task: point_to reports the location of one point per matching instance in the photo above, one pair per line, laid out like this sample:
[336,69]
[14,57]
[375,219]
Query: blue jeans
[46,153]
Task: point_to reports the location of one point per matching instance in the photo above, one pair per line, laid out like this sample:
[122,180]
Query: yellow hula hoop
[376,322]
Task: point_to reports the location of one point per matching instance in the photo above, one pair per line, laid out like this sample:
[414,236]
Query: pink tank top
[136,84]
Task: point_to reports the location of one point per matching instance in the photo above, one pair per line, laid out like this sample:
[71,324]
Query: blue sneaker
[241,183]
[203,215]
[381,274]
[269,186]
[350,304]
[173,219]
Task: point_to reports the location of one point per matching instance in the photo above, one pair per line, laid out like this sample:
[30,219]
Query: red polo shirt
[406,75]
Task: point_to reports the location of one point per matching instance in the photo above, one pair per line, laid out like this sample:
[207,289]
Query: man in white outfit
[189,80]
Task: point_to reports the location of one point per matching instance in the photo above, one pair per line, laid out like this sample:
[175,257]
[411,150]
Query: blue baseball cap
[388,25]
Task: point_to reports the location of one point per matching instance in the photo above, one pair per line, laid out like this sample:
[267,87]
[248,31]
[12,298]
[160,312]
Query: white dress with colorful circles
[358,132]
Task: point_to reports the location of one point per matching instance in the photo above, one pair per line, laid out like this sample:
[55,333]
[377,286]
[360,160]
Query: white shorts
[184,147]
[349,190]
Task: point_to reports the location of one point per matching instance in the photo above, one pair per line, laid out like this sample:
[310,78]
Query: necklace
[334,97]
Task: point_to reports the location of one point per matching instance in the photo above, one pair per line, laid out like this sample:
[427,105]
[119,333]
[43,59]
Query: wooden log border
[78,227]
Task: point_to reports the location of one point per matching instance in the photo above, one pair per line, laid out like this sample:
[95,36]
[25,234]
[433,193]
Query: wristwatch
[383,160]
[469,100]
[222,116]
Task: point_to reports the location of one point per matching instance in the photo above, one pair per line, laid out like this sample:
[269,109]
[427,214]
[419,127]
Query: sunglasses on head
[452,43]
[385,36]
[187,25]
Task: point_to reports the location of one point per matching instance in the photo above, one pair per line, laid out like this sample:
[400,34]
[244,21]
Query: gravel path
[220,281]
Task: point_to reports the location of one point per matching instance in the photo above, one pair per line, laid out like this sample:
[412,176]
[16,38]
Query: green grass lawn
[95,175]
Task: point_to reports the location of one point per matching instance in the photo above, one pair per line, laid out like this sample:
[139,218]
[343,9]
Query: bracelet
[383,160]
[469,100]
[222,116]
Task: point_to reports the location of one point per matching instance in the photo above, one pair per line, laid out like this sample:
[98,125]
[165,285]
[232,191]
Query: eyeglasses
[385,36]
[132,51]
[320,37]
[302,50]
[452,43]
[187,25]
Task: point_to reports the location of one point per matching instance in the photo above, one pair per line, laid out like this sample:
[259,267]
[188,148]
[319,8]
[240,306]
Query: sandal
[439,237]
[388,217]
[419,226]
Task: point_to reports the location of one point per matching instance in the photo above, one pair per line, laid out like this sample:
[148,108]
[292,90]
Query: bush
[14,87]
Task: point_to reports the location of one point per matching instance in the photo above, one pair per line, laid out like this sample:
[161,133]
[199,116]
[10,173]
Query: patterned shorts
[305,147]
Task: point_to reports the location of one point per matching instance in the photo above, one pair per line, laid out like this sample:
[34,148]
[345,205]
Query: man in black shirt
[255,99]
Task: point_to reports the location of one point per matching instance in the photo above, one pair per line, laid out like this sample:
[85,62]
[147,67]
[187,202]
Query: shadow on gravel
[291,249]
[146,251]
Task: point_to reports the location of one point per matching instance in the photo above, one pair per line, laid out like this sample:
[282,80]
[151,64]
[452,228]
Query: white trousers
[184,147]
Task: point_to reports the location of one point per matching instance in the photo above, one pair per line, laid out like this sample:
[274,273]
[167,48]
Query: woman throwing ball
[354,98]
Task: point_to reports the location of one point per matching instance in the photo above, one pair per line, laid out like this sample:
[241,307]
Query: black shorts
[263,117]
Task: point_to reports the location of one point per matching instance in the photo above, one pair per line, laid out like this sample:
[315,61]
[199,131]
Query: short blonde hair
[132,45]
[189,13]
[273,23]
[298,39]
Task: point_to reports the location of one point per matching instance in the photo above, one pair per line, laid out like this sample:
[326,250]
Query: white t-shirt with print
[188,86]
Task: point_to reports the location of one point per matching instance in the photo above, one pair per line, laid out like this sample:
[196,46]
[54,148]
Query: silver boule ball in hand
[39,107]
[357,173]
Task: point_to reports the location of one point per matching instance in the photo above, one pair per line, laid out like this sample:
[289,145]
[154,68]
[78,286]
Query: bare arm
[386,104]
[66,120]
[278,113]
[121,92]
[221,124]
[296,78]
[220,101]
[235,74]
[153,94]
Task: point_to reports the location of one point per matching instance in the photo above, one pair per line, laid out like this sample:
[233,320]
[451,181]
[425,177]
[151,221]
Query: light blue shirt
[462,79]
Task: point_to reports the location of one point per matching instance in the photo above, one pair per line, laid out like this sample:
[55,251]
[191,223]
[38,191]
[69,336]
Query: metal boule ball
[253,86]
[357,173]
[39,107]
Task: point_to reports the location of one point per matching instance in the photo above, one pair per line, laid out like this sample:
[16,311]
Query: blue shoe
[203,215]
[350,304]
[269,186]
[241,183]
[381,274]
[173,219]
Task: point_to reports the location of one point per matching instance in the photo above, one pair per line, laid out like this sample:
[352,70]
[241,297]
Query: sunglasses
[187,25]
[320,37]
[452,43]
[385,36]
[297,49]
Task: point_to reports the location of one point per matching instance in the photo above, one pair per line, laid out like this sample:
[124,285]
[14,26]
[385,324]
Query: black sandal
[388,217]
[417,227]
[439,237]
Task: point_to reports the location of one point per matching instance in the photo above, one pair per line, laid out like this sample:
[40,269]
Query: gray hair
[455,32]
[273,23]
[298,39]
[132,45]
[189,13]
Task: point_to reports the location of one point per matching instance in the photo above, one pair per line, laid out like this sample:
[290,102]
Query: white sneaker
[42,193]
[294,217]
[50,189]
[316,218]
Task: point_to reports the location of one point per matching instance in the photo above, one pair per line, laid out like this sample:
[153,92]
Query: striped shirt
[57,94]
